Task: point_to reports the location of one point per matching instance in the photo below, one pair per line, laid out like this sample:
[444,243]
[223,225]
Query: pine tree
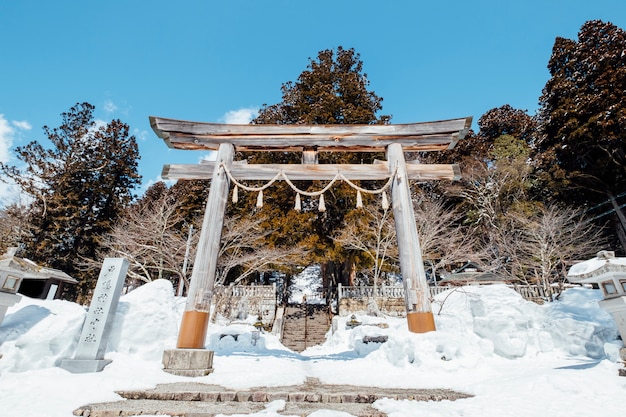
[583,116]
[191,197]
[333,90]
[80,184]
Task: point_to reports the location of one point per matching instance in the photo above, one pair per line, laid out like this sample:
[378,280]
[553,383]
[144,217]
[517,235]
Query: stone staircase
[192,399]
[305,325]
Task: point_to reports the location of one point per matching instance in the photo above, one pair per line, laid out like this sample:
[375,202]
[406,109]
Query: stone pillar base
[82,366]
[421,322]
[188,362]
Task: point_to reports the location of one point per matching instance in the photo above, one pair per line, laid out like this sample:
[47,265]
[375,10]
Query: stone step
[315,393]
[304,326]
[133,408]
[191,399]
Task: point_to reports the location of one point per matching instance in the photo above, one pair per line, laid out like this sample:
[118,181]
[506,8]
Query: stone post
[94,336]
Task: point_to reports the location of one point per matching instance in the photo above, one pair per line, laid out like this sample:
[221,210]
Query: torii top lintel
[426,136]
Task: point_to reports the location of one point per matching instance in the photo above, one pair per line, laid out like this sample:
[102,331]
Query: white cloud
[98,123]
[6,139]
[23,124]
[211,156]
[109,106]
[144,187]
[9,192]
[8,132]
[241,116]
[141,135]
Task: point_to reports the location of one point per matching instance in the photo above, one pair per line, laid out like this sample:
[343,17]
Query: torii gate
[394,140]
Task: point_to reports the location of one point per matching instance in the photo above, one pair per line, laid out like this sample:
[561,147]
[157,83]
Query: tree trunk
[622,220]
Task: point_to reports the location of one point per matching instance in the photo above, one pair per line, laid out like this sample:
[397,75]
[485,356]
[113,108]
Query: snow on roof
[596,268]
[30,270]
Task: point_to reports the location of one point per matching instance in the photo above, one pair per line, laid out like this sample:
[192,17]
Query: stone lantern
[10,281]
[609,273]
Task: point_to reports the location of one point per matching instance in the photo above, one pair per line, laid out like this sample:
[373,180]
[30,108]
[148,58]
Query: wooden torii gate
[394,140]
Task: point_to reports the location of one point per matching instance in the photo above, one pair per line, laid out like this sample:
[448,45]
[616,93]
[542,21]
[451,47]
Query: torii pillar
[416,295]
[392,139]
[197,310]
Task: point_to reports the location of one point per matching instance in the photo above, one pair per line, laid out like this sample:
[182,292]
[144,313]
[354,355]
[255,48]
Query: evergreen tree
[333,90]
[496,167]
[583,116]
[80,184]
[475,148]
[190,196]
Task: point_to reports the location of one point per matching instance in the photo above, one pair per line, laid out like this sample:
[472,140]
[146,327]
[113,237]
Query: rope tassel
[235,194]
[321,206]
[385,202]
[298,205]
[359,199]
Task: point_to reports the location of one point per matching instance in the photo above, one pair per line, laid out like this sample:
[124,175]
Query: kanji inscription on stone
[94,336]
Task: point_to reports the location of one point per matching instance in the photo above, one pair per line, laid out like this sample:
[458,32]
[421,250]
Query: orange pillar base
[193,330]
[421,322]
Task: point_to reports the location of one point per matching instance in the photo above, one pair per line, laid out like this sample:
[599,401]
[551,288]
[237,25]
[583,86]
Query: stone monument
[94,337]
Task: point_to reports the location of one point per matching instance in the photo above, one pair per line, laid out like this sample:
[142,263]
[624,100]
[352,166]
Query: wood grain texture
[416,295]
[426,136]
[265,172]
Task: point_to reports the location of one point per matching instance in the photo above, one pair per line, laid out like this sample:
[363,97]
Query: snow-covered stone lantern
[609,273]
[10,281]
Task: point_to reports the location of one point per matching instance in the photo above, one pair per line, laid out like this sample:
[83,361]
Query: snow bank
[477,322]
[490,342]
[146,321]
[472,323]
[574,325]
[38,334]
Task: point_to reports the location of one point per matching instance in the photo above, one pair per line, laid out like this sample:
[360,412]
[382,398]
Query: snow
[583,269]
[303,285]
[515,357]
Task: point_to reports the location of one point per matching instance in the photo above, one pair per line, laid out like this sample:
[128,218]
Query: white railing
[437,290]
[263,291]
[364,291]
[529,292]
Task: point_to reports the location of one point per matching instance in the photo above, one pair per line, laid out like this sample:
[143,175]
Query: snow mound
[146,321]
[39,334]
[478,322]
[473,323]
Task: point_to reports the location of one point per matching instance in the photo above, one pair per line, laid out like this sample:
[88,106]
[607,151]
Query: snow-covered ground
[517,358]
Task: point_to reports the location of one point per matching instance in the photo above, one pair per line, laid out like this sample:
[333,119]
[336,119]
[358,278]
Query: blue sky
[211,61]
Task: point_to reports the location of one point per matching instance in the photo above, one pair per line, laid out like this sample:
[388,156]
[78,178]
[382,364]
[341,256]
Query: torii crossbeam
[394,140]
